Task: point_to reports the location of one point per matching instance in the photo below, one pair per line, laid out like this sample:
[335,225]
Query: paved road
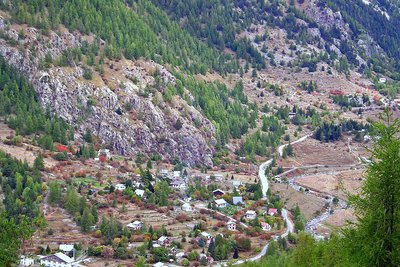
[264,187]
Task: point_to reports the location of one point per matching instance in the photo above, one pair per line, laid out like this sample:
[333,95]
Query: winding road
[264,188]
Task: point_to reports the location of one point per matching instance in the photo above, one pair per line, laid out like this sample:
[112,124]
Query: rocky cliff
[113,108]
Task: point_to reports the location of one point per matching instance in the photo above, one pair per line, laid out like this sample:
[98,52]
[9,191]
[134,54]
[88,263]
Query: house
[218,176]
[57,260]
[177,174]
[66,248]
[120,187]
[187,207]
[139,192]
[236,184]
[178,184]
[207,237]
[218,193]
[251,215]
[237,200]
[265,226]
[26,261]
[136,225]
[164,241]
[105,152]
[158,264]
[164,172]
[382,80]
[291,115]
[220,203]
[231,225]
[272,211]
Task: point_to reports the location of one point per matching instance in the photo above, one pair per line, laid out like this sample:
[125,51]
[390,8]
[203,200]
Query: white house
[237,200]
[251,215]
[58,260]
[382,80]
[158,264]
[164,172]
[178,184]
[236,184]
[187,207]
[139,192]
[66,248]
[221,203]
[265,226]
[120,187]
[164,241]
[26,261]
[218,176]
[177,174]
[136,225]
[231,225]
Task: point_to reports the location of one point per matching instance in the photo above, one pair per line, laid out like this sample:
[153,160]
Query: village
[164,214]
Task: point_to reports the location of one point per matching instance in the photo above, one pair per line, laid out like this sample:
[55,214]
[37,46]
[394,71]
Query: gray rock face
[146,128]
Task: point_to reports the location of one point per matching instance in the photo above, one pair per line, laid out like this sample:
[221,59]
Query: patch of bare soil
[25,152]
[314,152]
[339,184]
[308,204]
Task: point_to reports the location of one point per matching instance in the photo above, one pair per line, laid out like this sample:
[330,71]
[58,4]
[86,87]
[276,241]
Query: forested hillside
[365,19]
[136,29]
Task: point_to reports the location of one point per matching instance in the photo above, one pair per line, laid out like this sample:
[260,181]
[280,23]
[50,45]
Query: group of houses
[65,257]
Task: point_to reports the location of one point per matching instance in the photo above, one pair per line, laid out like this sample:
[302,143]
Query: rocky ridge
[148,126]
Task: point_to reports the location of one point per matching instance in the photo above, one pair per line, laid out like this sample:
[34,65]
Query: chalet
[176,174]
[135,226]
[58,260]
[187,207]
[178,184]
[291,115]
[236,184]
[139,193]
[231,225]
[164,172]
[272,211]
[237,200]
[265,226]
[218,193]
[120,187]
[250,215]
[220,203]
[26,261]
[164,241]
[68,249]
[218,176]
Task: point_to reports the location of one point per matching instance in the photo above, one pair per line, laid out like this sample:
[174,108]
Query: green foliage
[310,86]
[38,163]
[133,30]
[11,237]
[18,102]
[375,242]
[230,118]
[54,197]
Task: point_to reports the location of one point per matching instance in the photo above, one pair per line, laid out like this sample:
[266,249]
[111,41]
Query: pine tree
[375,240]
[38,164]
[87,220]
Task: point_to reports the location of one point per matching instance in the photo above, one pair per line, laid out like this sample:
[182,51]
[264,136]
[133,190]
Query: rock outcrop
[147,126]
